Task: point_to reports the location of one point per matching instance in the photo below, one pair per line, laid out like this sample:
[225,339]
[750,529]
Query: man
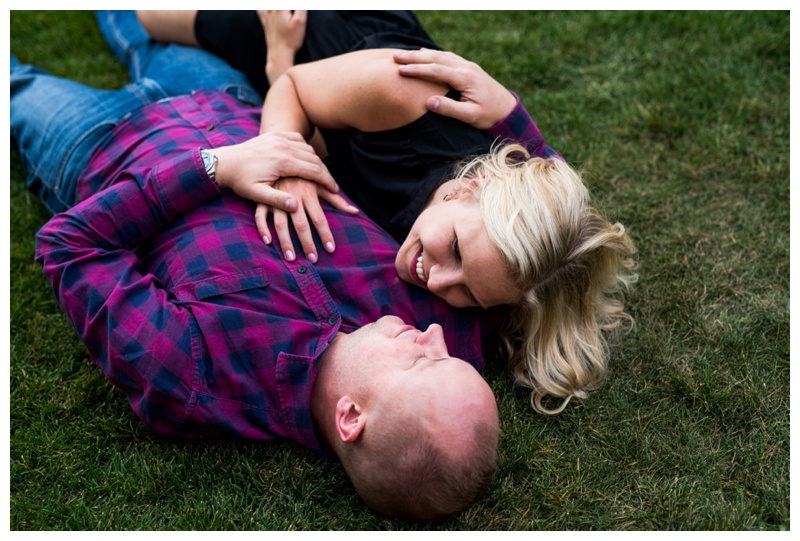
[206,328]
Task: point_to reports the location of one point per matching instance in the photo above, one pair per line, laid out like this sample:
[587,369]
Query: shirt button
[302,269]
[332,321]
[210,128]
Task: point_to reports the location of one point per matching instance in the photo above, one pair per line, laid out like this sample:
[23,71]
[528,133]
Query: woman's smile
[420,269]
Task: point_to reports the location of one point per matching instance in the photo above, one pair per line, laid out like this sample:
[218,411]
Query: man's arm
[123,315]
[519,127]
[87,253]
[251,168]
[484,101]
[127,320]
[484,104]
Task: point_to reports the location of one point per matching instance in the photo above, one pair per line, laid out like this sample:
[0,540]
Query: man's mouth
[404,329]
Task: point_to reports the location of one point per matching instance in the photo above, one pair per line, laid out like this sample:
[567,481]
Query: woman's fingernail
[329,247]
[434,104]
[312,257]
[290,204]
[289,255]
[266,239]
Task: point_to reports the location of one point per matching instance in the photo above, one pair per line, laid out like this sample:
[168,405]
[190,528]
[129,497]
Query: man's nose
[433,339]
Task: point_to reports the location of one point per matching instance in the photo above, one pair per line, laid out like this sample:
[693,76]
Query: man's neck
[325,394]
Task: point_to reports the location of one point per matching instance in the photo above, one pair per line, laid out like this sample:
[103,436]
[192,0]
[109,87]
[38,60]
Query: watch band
[209,162]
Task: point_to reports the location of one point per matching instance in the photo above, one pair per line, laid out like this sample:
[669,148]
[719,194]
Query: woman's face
[449,253]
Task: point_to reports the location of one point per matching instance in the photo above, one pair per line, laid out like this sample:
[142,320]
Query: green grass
[680,122]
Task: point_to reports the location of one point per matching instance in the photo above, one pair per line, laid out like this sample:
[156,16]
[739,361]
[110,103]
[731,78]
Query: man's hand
[308,213]
[251,168]
[484,101]
[284,31]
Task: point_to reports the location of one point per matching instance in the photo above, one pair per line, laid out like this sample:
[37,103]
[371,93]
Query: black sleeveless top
[390,175]
[238,37]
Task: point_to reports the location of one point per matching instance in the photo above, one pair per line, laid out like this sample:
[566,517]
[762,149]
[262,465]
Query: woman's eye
[456,249]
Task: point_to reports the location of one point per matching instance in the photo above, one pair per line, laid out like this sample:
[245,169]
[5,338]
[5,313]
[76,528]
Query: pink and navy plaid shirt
[519,127]
[207,330]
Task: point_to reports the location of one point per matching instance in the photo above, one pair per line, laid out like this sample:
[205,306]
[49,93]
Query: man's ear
[350,420]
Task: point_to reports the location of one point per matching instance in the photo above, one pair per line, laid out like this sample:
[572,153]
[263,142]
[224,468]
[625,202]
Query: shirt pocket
[216,259]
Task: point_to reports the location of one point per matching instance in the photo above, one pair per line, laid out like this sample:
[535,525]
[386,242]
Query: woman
[502,231]
[240,37]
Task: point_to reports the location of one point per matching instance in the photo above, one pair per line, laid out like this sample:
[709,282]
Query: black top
[238,37]
[391,174]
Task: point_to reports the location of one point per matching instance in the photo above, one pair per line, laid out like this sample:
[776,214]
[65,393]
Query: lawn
[680,123]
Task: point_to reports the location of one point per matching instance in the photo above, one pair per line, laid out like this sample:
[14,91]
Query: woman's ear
[474,183]
[350,420]
[468,187]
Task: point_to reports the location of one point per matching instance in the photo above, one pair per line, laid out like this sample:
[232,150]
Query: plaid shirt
[209,331]
[518,126]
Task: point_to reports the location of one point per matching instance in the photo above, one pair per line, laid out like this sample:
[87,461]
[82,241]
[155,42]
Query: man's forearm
[87,253]
[137,205]
[128,321]
[519,127]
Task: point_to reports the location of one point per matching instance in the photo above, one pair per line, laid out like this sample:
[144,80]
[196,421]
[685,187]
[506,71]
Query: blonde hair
[399,470]
[569,263]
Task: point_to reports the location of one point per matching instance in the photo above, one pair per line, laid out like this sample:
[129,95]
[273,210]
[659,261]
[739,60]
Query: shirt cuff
[515,112]
[518,126]
[182,183]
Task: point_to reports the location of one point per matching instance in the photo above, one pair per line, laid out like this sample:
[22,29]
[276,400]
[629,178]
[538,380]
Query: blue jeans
[57,123]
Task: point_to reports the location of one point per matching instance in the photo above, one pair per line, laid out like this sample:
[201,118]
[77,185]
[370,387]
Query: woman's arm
[284,31]
[484,104]
[359,90]
[484,101]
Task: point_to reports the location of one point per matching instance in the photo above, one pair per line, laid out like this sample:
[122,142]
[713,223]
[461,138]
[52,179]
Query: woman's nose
[440,278]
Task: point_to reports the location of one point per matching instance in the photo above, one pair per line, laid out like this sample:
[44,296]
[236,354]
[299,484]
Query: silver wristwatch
[209,162]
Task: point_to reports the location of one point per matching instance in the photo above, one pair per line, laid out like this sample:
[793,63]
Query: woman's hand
[484,101]
[308,212]
[285,31]
[251,168]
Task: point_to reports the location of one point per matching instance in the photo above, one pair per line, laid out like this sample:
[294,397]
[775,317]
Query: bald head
[433,460]
[415,429]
